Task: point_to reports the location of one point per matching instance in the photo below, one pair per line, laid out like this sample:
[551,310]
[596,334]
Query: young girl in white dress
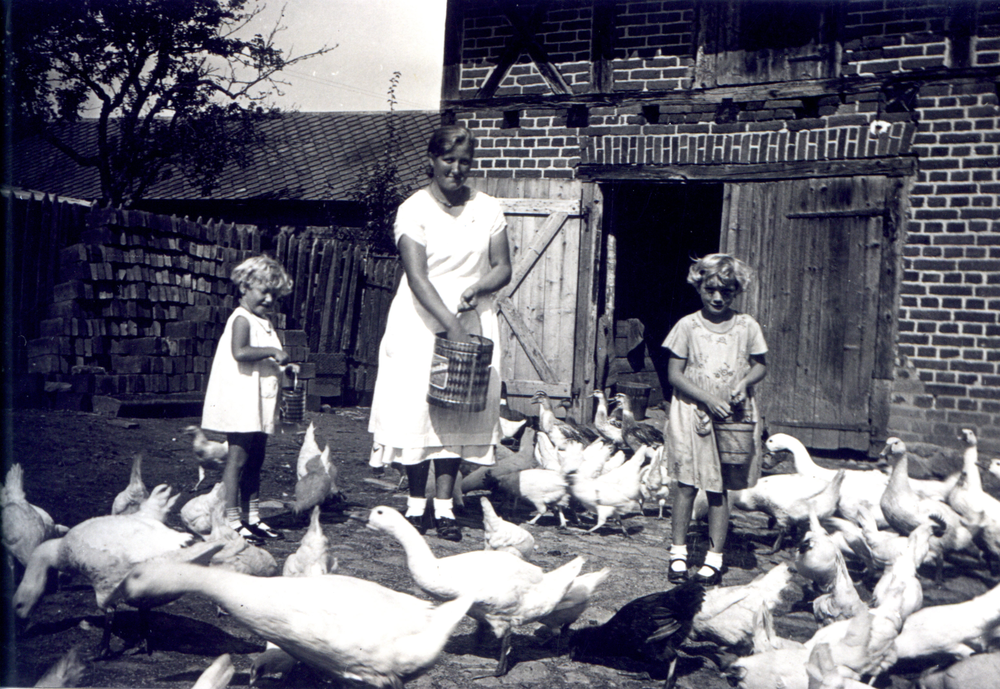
[453,243]
[242,392]
[716,357]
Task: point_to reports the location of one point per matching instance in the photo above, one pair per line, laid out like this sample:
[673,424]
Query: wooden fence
[117,302]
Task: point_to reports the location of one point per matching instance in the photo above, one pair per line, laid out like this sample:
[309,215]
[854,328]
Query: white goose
[133,495]
[104,549]
[859,485]
[341,626]
[507,591]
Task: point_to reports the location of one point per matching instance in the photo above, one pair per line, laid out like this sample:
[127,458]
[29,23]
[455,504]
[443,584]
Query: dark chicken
[648,629]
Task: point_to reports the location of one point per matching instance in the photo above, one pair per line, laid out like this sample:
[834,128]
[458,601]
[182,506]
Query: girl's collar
[721,327]
[441,199]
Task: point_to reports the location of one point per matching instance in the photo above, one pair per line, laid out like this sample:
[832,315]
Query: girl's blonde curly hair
[263,272]
[728,269]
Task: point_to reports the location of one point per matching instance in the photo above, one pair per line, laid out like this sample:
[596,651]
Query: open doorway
[653,231]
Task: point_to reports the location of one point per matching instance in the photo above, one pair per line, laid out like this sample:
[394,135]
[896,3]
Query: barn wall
[912,80]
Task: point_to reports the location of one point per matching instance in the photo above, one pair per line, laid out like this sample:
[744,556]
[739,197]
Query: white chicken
[820,560]
[317,483]
[976,672]
[65,672]
[25,525]
[500,534]
[960,629]
[576,600]
[312,557]
[654,481]
[217,675]
[238,555]
[210,454]
[135,493]
[727,615]
[307,451]
[196,513]
[507,590]
[610,495]
[900,577]
[541,487]
[104,549]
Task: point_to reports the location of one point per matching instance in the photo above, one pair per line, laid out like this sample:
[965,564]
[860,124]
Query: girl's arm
[414,257]
[242,351]
[498,276]
[758,369]
[675,374]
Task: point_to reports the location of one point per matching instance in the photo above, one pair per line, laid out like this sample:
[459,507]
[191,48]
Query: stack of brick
[141,303]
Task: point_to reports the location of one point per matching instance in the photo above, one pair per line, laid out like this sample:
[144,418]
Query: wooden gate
[825,254]
[545,346]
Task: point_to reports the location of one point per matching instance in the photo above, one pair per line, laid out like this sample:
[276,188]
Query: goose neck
[970,464]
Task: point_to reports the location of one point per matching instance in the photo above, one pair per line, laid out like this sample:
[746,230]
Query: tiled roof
[312,156]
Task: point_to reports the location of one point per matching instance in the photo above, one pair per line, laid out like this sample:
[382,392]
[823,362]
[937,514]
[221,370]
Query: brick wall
[949,331]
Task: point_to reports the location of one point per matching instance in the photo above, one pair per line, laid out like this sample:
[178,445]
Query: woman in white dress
[453,243]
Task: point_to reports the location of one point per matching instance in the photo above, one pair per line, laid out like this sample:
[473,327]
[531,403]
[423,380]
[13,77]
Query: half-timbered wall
[679,90]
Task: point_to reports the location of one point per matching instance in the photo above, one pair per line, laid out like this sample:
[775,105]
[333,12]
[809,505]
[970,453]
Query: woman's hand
[469,300]
[718,407]
[281,356]
[739,394]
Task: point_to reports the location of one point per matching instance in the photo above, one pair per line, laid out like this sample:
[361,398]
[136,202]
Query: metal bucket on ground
[460,373]
[638,394]
[735,441]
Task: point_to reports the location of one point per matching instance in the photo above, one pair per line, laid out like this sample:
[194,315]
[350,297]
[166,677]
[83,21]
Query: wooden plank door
[539,306]
[820,248]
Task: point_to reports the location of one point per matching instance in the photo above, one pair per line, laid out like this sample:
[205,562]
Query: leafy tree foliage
[175,87]
[380,190]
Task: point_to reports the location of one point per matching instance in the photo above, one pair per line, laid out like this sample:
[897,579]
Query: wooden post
[585,339]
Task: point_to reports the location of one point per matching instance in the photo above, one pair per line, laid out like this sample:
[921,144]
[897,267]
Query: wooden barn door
[539,325]
[824,252]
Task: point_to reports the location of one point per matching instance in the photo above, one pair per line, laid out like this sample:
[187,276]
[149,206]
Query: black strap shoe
[448,529]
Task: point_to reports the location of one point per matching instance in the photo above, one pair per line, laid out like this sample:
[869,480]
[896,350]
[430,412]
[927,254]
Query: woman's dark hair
[444,139]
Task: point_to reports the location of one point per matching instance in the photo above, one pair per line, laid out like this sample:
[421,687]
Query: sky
[374,38]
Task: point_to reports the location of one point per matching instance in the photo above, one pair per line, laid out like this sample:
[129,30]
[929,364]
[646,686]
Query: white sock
[711,560]
[679,554]
[442,508]
[253,511]
[233,517]
[415,507]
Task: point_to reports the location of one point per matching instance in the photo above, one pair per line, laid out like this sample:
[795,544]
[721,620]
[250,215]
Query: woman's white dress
[407,429]
[242,395]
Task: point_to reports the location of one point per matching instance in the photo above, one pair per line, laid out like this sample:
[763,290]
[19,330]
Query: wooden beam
[524,336]
[535,50]
[602,46]
[451,73]
[527,388]
[585,337]
[530,255]
[539,206]
[890,167]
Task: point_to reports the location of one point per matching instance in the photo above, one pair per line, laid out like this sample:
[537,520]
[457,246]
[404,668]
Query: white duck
[341,626]
[196,513]
[500,534]
[859,485]
[905,510]
[135,493]
[507,591]
[210,454]
[24,525]
[104,549]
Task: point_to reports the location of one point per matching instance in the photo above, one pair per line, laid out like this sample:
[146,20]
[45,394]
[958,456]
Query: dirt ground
[75,463]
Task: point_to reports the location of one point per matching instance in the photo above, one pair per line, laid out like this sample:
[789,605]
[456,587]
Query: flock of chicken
[890,525]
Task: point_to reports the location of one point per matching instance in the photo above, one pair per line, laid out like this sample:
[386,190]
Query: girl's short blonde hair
[728,269]
[263,272]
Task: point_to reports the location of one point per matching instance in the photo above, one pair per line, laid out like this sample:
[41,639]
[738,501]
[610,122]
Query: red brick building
[848,150]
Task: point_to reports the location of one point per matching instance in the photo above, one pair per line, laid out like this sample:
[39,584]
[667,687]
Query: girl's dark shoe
[418,524]
[677,576]
[263,531]
[712,580]
[448,529]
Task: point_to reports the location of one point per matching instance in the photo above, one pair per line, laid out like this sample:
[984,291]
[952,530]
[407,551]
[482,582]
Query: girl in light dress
[242,393]
[716,357]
